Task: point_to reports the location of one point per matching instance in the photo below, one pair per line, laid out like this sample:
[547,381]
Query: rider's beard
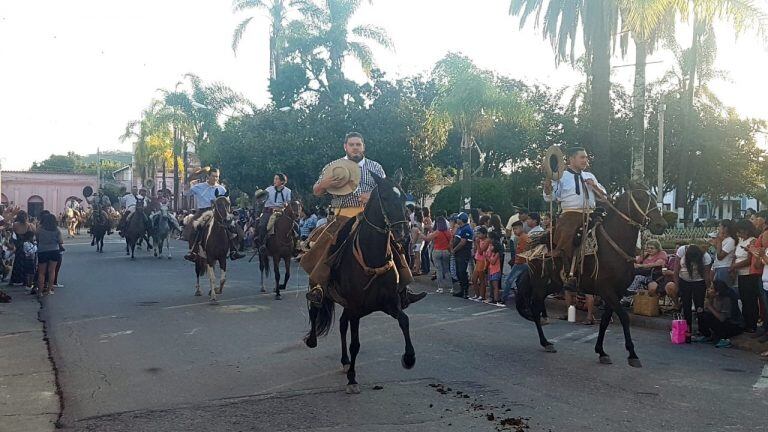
[356,158]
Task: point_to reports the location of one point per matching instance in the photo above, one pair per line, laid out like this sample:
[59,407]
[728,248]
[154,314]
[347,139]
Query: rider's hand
[547,187]
[333,182]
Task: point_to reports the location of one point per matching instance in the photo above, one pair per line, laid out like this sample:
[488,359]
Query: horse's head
[293,209]
[639,205]
[140,203]
[388,199]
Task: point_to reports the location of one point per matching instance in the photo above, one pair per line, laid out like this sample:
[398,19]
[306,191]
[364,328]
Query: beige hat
[347,170]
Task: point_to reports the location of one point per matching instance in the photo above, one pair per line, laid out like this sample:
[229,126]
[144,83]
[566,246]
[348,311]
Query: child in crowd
[479,275]
[29,253]
[493,256]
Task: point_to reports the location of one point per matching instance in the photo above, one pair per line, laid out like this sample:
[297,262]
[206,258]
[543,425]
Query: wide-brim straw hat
[347,170]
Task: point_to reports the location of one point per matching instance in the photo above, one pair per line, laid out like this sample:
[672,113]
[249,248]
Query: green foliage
[501,195]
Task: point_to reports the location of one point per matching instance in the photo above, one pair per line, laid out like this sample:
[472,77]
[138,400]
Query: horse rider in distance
[128,203]
[278,196]
[349,200]
[205,194]
[575,191]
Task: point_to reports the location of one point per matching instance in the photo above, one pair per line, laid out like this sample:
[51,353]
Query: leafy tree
[58,163]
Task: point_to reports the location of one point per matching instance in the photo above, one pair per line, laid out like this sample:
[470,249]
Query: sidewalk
[662,323]
[28,399]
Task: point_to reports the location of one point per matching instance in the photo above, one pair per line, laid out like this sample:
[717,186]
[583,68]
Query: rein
[633,223]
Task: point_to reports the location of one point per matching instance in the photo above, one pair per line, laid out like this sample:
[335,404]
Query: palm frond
[364,55]
[374,33]
[238,34]
[240,5]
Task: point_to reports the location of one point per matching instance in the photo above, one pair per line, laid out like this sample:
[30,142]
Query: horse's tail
[264,263]
[325,316]
[524,296]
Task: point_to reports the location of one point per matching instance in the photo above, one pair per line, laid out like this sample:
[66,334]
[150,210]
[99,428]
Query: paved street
[136,351]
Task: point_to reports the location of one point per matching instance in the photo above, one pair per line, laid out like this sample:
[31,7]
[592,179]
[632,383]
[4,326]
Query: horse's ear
[398,177]
[226,194]
[216,192]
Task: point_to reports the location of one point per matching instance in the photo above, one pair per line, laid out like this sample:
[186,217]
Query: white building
[727,208]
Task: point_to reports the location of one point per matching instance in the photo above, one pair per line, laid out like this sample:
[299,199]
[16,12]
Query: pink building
[38,191]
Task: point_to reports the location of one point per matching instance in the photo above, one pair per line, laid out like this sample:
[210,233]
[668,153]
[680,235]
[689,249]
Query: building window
[703,211]
[4,199]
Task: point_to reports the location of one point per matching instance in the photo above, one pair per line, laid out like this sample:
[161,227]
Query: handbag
[679,329]
[645,304]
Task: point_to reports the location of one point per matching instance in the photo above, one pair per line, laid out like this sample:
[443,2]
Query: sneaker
[439,291]
[58,286]
[500,304]
[486,301]
[723,343]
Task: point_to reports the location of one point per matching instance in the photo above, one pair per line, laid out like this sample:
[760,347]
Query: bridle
[650,207]
[388,225]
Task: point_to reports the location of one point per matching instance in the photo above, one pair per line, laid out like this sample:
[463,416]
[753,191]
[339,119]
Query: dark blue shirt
[464,232]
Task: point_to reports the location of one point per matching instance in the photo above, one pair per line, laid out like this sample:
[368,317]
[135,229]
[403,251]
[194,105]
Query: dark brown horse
[617,233]
[99,228]
[365,276]
[135,228]
[280,246]
[214,247]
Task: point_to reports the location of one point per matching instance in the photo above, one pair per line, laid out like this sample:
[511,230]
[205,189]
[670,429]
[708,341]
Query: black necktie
[281,196]
[579,180]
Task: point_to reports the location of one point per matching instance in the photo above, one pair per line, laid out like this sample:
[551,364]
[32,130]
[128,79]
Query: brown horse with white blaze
[280,246]
[214,247]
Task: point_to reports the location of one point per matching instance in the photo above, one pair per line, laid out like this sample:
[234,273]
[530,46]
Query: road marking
[234,299]
[488,312]
[194,330]
[590,337]
[120,333]
[762,382]
[88,319]
[567,335]
[242,308]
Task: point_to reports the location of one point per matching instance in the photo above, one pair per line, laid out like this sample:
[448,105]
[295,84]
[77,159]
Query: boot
[315,295]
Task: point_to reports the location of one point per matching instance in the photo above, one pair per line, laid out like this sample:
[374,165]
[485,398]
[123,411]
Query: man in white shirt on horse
[575,192]
[278,196]
[205,194]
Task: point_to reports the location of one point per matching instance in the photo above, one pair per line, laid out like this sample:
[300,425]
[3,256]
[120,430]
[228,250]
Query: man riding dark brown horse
[350,180]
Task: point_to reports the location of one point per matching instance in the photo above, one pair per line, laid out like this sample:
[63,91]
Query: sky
[75,73]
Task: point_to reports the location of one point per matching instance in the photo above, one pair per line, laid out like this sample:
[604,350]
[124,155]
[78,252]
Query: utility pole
[660,190]
[466,181]
[98,168]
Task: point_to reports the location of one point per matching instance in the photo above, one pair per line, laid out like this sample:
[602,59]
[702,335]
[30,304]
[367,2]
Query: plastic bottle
[572,313]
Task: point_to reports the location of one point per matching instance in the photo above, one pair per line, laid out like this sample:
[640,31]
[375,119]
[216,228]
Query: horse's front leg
[633,360]
[168,245]
[604,321]
[409,357]
[276,269]
[223,278]
[311,338]
[198,272]
[287,262]
[354,349]
[537,308]
[343,326]
[212,280]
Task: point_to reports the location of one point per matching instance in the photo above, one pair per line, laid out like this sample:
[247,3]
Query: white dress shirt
[564,191]
[205,194]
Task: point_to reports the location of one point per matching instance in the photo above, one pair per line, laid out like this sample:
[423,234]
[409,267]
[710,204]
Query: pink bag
[679,330]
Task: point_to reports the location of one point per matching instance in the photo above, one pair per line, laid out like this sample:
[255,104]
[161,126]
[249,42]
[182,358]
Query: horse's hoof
[198,293]
[408,361]
[345,368]
[278,297]
[169,257]
[133,258]
[311,342]
[550,348]
[214,301]
[353,389]
[605,359]
[635,362]
[218,291]
[263,290]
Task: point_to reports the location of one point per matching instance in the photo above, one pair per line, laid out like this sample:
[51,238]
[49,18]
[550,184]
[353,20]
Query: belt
[578,210]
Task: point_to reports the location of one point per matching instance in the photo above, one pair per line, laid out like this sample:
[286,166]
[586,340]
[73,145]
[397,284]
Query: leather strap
[614,245]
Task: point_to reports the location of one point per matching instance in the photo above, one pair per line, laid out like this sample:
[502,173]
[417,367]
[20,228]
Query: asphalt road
[136,351]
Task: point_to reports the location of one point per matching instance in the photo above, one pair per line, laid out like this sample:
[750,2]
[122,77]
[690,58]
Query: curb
[30,397]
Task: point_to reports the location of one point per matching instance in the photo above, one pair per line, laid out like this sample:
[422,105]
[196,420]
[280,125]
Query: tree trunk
[689,121]
[185,165]
[601,109]
[466,170]
[175,169]
[638,116]
[165,185]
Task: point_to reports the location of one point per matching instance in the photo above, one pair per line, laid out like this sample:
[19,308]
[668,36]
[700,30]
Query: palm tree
[470,101]
[647,22]
[742,15]
[277,11]
[561,21]
[326,27]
